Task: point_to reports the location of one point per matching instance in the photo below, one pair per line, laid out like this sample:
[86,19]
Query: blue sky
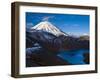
[69,23]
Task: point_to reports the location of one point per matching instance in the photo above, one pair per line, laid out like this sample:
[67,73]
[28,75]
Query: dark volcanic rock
[39,57]
[42,48]
[86,58]
[73,43]
[53,43]
[31,63]
[45,39]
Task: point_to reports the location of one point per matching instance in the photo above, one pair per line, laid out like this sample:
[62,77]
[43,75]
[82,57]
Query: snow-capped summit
[48,27]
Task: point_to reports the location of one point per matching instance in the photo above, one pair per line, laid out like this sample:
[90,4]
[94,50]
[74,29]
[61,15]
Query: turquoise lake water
[73,56]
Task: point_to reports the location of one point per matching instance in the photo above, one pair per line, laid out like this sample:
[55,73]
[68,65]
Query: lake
[74,56]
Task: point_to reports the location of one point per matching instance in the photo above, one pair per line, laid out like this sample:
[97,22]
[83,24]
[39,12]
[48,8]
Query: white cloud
[85,34]
[46,18]
[29,24]
[75,25]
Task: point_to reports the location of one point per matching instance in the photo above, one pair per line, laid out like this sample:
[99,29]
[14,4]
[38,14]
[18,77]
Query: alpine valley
[47,45]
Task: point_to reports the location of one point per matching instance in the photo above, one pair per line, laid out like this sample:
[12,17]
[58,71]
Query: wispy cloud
[76,25]
[85,34]
[46,18]
[29,24]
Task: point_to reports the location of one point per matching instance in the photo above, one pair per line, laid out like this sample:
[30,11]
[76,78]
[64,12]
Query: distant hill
[84,37]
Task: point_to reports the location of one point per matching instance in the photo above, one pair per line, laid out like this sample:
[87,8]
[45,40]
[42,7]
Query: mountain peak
[48,27]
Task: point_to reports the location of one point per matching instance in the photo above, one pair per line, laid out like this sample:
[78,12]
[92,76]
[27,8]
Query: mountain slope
[48,27]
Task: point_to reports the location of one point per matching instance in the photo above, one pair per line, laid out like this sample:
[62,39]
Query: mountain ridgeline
[52,38]
[45,38]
